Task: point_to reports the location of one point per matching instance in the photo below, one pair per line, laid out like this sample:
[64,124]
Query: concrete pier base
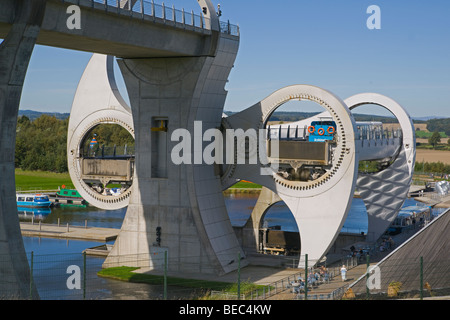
[15,53]
[177,208]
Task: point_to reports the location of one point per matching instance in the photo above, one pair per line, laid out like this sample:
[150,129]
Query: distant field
[424,155]
[40,180]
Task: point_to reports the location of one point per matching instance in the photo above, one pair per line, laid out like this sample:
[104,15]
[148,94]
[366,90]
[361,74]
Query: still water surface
[51,257]
[239,208]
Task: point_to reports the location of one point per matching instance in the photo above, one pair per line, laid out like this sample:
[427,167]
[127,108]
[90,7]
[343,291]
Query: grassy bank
[244,187]
[41,180]
[203,286]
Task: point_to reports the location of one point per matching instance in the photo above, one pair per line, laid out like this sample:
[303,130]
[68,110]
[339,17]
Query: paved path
[324,288]
[68,232]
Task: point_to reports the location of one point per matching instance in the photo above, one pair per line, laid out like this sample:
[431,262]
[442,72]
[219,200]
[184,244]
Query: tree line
[439,125]
[41,144]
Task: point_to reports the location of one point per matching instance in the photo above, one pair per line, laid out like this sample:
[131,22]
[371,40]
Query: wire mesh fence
[404,279]
[78,276]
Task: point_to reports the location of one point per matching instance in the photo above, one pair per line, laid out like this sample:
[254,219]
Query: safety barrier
[149,10]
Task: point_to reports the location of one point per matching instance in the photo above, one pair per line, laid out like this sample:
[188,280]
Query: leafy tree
[41,144]
[434,139]
[441,125]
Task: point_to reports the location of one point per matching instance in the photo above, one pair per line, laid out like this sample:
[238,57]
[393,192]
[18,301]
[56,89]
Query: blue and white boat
[33,200]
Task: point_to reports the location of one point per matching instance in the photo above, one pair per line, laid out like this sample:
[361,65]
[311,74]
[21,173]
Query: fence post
[367,276]
[306,276]
[421,278]
[164,12]
[153,10]
[31,275]
[84,275]
[239,277]
[165,275]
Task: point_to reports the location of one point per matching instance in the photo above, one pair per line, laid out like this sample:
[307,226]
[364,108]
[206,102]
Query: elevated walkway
[134,31]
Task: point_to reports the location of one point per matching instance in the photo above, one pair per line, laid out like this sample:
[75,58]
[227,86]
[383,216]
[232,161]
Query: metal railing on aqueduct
[150,11]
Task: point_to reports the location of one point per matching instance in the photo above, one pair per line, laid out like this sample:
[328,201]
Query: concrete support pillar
[15,53]
[177,208]
[266,199]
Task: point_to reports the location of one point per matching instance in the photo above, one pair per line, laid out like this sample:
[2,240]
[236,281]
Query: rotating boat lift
[319,206]
[179,209]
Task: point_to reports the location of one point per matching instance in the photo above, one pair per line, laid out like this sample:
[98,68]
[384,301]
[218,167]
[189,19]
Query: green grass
[426,134]
[245,184]
[41,180]
[440,147]
[127,274]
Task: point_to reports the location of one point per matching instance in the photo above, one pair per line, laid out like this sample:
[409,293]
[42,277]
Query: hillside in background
[288,116]
[33,115]
[433,123]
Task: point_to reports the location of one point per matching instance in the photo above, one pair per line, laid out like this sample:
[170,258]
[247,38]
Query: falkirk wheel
[174,191]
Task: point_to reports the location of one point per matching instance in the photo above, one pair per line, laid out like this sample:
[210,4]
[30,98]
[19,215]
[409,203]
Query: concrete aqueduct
[175,77]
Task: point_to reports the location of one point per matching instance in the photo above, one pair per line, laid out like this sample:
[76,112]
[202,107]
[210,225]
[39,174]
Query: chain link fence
[76,277]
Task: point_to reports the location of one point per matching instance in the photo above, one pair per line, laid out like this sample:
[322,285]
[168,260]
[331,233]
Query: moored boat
[33,200]
[68,193]
[69,197]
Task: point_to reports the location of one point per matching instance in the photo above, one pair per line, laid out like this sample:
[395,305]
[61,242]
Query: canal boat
[69,197]
[33,200]
[68,193]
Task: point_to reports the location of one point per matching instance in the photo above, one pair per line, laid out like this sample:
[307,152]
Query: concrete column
[183,202]
[266,199]
[15,53]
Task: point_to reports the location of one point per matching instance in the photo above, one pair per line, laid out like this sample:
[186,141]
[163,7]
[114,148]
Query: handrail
[149,10]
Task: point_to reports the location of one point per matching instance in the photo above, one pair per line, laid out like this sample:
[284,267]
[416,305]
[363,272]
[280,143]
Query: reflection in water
[77,216]
[240,207]
[36,214]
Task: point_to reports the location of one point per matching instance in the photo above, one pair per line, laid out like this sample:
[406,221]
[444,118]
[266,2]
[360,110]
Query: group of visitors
[387,244]
[359,254]
[314,278]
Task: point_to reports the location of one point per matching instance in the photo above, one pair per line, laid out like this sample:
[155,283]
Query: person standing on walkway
[344,273]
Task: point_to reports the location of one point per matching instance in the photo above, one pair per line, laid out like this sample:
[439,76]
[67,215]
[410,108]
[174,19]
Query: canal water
[52,256]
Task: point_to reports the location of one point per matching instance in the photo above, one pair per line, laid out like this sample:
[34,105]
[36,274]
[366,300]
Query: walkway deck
[68,232]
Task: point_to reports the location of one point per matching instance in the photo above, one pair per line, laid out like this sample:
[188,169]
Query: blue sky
[323,42]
